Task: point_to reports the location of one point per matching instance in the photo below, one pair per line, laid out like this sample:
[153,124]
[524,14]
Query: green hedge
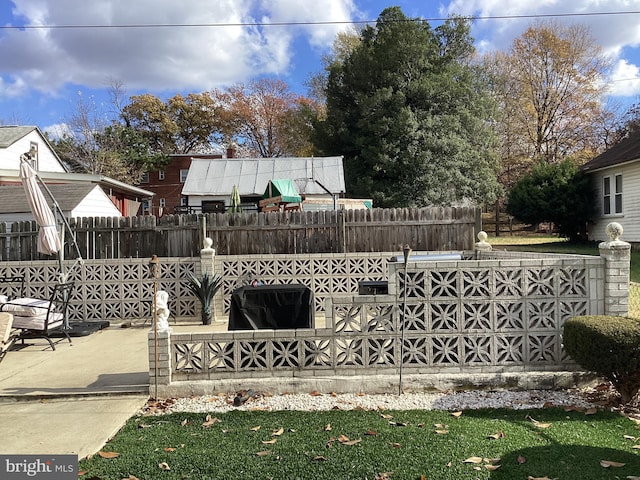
[609,346]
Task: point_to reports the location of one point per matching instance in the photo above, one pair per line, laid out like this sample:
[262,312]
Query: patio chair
[38,318]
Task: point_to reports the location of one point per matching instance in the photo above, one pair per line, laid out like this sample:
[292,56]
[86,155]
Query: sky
[79,49]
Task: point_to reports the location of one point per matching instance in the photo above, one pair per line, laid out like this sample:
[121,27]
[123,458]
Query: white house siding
[630,217]
[47,161]
[96,204]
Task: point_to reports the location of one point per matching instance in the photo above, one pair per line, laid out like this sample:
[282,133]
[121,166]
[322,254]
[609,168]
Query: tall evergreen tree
[409,113]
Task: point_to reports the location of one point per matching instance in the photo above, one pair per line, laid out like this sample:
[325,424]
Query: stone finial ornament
[207,243]
[614,231]
[482,243]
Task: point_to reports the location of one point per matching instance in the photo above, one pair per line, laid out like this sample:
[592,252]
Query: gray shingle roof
[625,151]
[11,134]
[68,196]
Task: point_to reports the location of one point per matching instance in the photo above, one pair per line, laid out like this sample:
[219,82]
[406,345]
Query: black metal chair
[38,318]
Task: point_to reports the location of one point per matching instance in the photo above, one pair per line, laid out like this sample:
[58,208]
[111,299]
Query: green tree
[410,115]
[554,192]
[180,125]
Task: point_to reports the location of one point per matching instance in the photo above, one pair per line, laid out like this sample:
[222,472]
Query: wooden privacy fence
[376,230]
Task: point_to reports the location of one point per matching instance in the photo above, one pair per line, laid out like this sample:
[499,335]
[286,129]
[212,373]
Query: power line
[318,23]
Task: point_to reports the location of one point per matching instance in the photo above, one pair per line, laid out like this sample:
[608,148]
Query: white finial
[614,231]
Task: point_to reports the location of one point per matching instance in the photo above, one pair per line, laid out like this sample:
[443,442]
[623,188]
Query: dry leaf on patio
[609,463]
[270,442]
[104,454]
[256,428]
[277,433]
[497,435]
[473,460]
[164,466]
[315,393]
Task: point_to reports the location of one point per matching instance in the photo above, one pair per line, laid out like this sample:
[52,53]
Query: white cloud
[157,59]
[625,80]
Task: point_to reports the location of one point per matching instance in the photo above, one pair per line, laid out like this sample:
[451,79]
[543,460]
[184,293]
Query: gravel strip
[519,400]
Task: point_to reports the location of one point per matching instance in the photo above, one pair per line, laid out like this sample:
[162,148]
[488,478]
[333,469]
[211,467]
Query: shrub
[609,346]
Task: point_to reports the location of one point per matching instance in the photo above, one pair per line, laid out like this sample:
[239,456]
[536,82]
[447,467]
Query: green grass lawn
[434,445]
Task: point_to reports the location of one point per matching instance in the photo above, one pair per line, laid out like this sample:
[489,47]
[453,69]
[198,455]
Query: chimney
[231,150]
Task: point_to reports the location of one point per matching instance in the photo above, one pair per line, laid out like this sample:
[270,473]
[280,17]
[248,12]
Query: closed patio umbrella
[48,239]
[234,205]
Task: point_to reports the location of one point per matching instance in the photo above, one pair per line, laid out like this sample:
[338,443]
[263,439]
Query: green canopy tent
[279,192]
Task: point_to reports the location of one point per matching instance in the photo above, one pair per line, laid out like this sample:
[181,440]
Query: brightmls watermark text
[49,467]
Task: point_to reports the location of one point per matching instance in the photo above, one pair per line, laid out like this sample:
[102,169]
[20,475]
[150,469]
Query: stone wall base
[383,384]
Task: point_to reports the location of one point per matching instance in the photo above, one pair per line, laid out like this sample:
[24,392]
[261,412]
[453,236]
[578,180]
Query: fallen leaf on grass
[539,424]
[277,433]
[609,463]
[264,453]
[629,437]
[209,420]
[352,442]
[184,423]
[395,445]
[386,416]
[456,414]
[442,432]
[371,433]
[632,477]
[491,467]
[269,442]
[497,435]
[256,428]
[104,454]
[327,427]
[319,458]
[169,449]
[383,476]
[537,478]
[164,466]
[473,460]
[591,411]
[635,447]
[130,477]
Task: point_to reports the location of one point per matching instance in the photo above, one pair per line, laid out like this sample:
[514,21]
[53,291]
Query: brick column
[163,371]
[617,255]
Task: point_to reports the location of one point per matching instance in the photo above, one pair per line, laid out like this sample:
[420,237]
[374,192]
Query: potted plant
[205,288]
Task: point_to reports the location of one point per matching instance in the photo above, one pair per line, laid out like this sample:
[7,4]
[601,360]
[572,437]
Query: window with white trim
[161,175]
[183,174]
[612,195]
[184,201]
[145,178]
[163,203]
